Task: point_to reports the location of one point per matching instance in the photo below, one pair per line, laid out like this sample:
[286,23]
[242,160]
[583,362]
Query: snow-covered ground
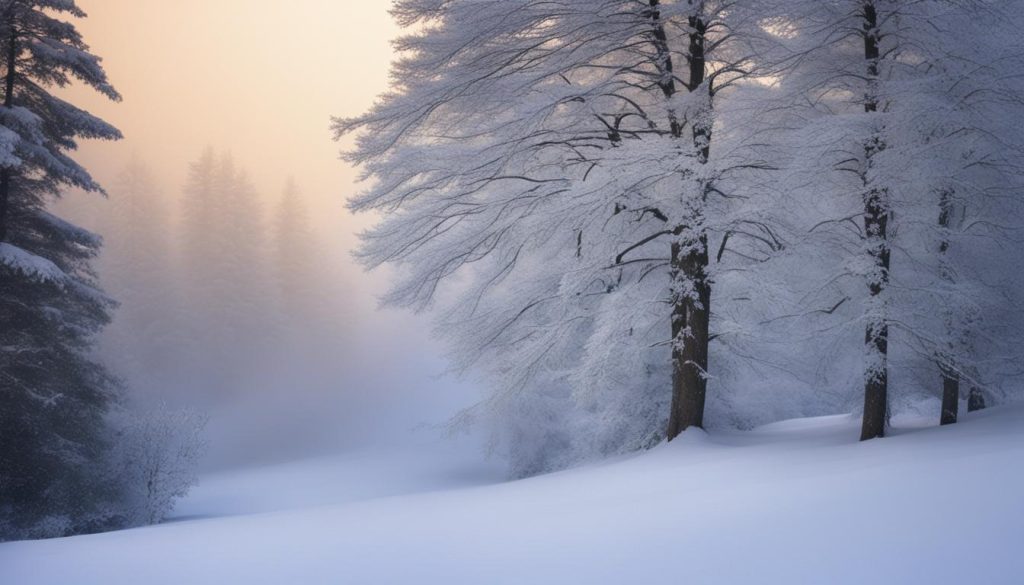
[794,502]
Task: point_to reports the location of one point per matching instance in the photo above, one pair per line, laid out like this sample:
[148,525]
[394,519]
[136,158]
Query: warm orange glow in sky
[259,77]
[262,79]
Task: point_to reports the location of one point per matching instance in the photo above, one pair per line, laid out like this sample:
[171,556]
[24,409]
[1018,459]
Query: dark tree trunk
[950,376]
[876,389]
[975,400]
[876,219]
[950,397]
[691,319]
[6,172]
[5,190]
[666,69]
[691,308]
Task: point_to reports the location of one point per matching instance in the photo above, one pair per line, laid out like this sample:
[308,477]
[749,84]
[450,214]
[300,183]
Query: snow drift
[793,502]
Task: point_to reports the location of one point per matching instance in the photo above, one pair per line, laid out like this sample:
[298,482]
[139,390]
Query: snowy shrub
[156,457]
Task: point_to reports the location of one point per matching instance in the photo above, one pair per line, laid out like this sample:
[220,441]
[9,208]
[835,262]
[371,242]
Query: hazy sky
[261,77]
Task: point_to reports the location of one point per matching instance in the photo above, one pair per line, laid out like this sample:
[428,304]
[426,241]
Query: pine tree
[226,281]
[246,268]
[300,282]
[136,266]
[53,395]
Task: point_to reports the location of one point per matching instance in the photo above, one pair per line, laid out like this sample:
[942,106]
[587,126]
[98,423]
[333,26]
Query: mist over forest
[232,302]
[506,291]
[227,241]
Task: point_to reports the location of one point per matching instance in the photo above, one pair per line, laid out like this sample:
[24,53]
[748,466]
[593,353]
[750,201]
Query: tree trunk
[5,190]
[876,219]
[950,375]
[6,172]
[975,400]
[691,303]
[950,397]
[691,319]
[876,389]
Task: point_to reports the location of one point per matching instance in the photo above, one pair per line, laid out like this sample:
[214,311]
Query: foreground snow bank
[795,502]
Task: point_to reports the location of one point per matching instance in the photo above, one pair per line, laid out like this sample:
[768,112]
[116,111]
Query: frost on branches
[626,213]
[156,454]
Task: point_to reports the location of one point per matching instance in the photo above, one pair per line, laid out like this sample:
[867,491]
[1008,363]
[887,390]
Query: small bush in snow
[156,459]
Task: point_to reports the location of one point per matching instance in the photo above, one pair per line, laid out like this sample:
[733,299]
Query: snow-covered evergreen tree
[54,397]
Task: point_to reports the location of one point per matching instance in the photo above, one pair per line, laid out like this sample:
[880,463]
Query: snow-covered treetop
[38,51]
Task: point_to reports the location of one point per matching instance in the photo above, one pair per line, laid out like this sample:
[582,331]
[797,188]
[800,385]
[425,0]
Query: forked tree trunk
[876,219]
[691,304]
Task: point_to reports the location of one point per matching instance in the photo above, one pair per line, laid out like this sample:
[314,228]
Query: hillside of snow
[794,502]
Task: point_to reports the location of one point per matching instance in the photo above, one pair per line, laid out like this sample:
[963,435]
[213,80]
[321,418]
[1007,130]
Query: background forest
[771,225]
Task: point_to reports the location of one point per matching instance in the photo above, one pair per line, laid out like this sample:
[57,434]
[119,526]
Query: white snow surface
[794,502]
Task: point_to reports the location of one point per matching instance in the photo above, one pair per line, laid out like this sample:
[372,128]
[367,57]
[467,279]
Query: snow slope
[794,502]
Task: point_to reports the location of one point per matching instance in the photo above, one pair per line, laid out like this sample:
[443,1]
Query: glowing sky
[261,77]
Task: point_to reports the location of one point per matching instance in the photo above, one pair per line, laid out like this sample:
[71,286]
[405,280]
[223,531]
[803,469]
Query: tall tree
[227,281]
[877,211]
[972,91]
[905,95]
[137,267]
[300,282]
[54,397]
[579,173]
